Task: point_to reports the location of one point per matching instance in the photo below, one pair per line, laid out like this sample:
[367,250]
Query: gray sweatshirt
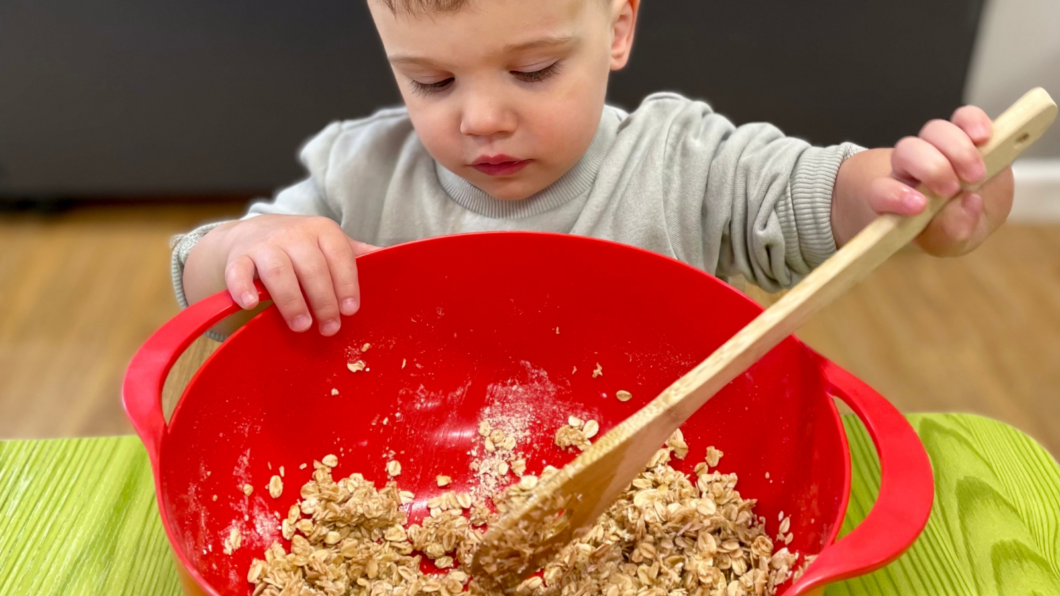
[671,177]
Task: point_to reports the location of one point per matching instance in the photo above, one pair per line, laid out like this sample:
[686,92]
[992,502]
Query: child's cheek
[438,133]
[570,122]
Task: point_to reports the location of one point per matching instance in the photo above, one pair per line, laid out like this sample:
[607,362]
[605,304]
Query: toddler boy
[505,128]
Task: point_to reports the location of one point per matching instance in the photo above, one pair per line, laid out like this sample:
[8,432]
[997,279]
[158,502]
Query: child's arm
[942,157]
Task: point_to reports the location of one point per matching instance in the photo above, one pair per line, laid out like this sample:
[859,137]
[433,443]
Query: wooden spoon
[524,538]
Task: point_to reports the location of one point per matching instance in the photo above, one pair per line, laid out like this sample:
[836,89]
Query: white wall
[1019,48]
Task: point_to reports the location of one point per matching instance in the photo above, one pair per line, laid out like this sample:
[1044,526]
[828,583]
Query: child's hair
[418,7]
[415,7]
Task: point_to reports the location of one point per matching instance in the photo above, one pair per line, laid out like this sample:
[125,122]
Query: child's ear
[623,23]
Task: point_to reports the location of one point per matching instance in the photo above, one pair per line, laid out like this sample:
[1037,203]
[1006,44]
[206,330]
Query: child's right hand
[292,254]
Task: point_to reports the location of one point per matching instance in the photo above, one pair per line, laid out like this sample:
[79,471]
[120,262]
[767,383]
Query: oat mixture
[667,535]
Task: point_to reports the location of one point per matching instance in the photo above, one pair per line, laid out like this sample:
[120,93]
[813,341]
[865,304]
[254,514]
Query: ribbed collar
[573,184]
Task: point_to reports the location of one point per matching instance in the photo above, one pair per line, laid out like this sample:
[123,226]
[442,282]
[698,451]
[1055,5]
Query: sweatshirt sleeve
[304,198]
[768,204]
[745,199]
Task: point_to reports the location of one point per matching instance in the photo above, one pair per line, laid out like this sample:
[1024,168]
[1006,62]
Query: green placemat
[78,517]
[995,525]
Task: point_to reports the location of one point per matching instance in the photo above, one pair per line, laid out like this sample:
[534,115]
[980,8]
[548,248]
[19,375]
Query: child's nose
[485,116]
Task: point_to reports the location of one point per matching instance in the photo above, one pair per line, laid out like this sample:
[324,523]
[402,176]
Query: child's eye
[537,75]
[429,88]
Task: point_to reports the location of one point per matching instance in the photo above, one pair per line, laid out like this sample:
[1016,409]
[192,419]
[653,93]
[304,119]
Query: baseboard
[1037,191]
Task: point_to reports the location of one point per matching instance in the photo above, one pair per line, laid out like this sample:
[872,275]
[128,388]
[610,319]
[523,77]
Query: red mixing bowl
[464,324]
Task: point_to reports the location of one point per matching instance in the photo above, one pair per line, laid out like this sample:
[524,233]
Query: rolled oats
[464,500]
[572,435]
[275,487]
[807,561]
[668,534]
[713,457]
[591,428]
[624,395]
[256,569]
[444,480]
[232,541]
[677,443]
[519,467]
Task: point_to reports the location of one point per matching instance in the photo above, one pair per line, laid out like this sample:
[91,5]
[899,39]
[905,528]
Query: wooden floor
[81,290]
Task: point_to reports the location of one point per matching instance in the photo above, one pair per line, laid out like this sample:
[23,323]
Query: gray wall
[145,97]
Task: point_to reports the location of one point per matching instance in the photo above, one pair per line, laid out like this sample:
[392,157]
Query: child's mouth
[500,165]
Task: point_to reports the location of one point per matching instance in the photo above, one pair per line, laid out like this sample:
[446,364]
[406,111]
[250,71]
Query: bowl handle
[146,375]
[907,489]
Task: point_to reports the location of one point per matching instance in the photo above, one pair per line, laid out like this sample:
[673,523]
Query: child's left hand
[941,157]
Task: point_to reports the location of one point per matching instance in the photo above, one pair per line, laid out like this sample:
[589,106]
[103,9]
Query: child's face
[508,93]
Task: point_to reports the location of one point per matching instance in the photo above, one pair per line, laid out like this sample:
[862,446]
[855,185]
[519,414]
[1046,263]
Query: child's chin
[510,189]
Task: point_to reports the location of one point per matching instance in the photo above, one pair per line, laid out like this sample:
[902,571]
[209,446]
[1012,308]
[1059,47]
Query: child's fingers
[239,277]
[277,274]
[957,229]
[998,194]
[887,195]
[956,146]
[975,123]
[916,159]
[341,261]
[312,271]
[361,248]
